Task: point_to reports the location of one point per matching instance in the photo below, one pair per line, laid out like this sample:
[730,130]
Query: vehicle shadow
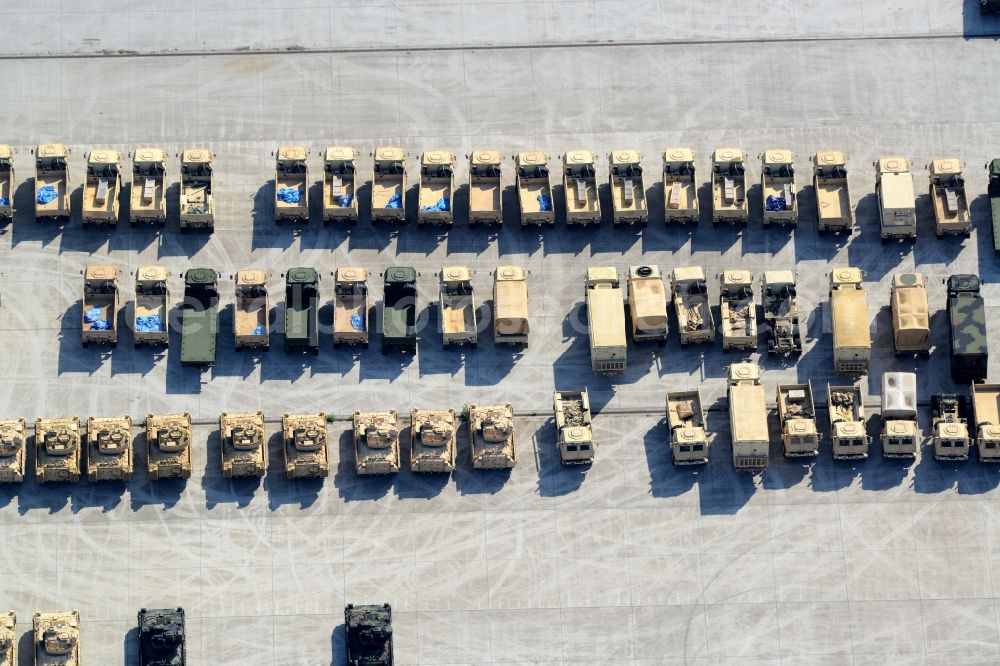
[665,478]
[966,477]
[130,646]
[23,227]
[354,487]
[554,478]
[176,241]
[723,490]
[266,233]
[977,26]
[282,491]
[716,238]
[105,495]
[238,491]
[72,356]
[338,645]
[468,479]
[180,379]
[512,238]
[410,485]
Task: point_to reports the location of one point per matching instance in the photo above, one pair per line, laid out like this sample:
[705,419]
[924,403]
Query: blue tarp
[4,201]
[345,200]
[441,206]
[46,194]
[357,323]
[259,331]
[544,202]
[289,195]
[95,317]
[774,203]
[395,201]
[149,324]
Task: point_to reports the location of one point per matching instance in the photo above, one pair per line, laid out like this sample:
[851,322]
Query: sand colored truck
[302,310]
[101,302]
[967,330]
[350,306]
[911,318]
[606,321]
[781,312]
[986,417]
[628,194]
[900,430]
[491,430]
[689,292]
[686,423]
[197,198]
[947,191]
[168,446]
[738,310]
[485,187]
[748,418]
[583,206]
[13,450]
[848,434]
[147,201]
[305,438]
[432,440]
[797,418]
[244,444]
[6,183]
[291,184]
[779,200]
[376,442]
[510,306]
[437,188]
[152,305]
[534,189]
[109,448]
[647,304]
[949,427]
[574,427]
[852,342]
[250,311]
[102,187]
[340,193]
[199,317]
[833,194]
[896,199]
[680,191]
[729,186]
[457,305]
[57,450]
[993,190]
[389,185]
[57,638]
[51,183]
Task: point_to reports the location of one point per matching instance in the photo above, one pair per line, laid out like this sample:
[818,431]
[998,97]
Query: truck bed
[331,200]
[986,403]
[59,205]
[106,304]
[458,315]
[736,323]
[383,188]
[291,181]
[680,196]
[346,310]
[529,193]
[945,216]
[249,314]
[434,189]
[740,194]
[833,201]
[398,319]
[5,188]
[623,205]
[139,203]
[198,330]
[748,413]
[90,204]
[484,195]
[695,309]
[147,306]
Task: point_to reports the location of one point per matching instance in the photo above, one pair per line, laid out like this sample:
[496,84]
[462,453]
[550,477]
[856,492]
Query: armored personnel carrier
[534,189]
[340,196]
[779,199]
[729,186]
[8,639]
[162,637]
[291,184]
[369,635]
[437,188]
[57,450]
[244,446]
[574,427]
[305,437]
[583,206]
[109,448]
[781,312]
[197,200]
[168,441]
[13,452]
[250,311]
[737,310]
[389,185]
[485,187]
[628,194]
[689,292]
[432,440]
[101,303]
[148,204]
[51,183]
[376,442]
[152,303]
[57,638]
[492,435]
[680,191]
[833,194]
[101,188]
[6,183]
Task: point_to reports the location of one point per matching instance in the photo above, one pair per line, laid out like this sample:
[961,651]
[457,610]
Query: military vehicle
[748,418]
[738,310]
[680,191]
[197,199]
[846,408]
[797,419]
[376,442]
[6,187]
[109,448]
[168,446]
[534,191]
[305,437]
[606,321]
[57,638]
[574,427]
[399,309]
[781,312]
[432,440]
[911,318]
[779,200]
[389,185]
[101,302]
[457,303]
[986,416]
[647,304]
[896,199]
[199,321]
[437,187]
[8,639]
[340,194]
[833,194]
[51,183]
[628,194]
[994,193]
[102,187]
[689,291]
[729,186]
[350,306]
[510,306]
[686,423]
[162,637]
[852,342]
[13,452]
[967,329]
[951,431]
[485,187]
[57,450]
[583,206]
[152,305]
[147,202]
[244,444]
[250,312]
[369,635]
[900,430]
[302,310]
[491,429]
[291,184]
[947,190]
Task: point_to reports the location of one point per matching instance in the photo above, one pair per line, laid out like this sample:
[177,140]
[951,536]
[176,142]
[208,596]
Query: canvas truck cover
[606,315]
[749,418]
[511,298]
[968,321]
[850,319]
[910,308]
[899,395]
[650,306]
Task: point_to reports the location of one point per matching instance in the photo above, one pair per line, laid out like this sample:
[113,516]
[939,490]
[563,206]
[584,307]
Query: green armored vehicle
[369,635]
[199,323]
[161,637]
[994,192]
[399,309]
[967,329]
[302,310]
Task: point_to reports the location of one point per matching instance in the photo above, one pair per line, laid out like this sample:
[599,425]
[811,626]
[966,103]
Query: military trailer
[13,452]
[510,306]
[340,194]
[647,304]
[389,185]
[243,444]
[846,409]
[485,187]
[435,195]
[574,427]
[6,188]
[779,200]
[491,430]
[302,310]
[900,430]
[250,312]
[152,306]
[950,428]
[51,183]
[168,446]
[797,419]
[534,190]
[583,206]
[199,320]
[680,191]
[911,317]
[57,450]
[57,638]
[781,312]
[369,635]
[689,291]
[305,438]
[350,306]
[748,418]
[147,201]
[291,184]
[109,448]
[606,321]
[8,639]
[729,186]
[967,339]
[896,199]
[852,342]
[162,637]
[738,310]
[399,309]
[947,191]
[833,194]
[432,440]
[628,194]
[986,416]
[993,190]
[686,423]
[457,304]
[102,187]
[101,302]
[376,442]
[197,198]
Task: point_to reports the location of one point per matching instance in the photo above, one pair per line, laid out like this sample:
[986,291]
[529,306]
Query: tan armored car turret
[251,328]
[689,292]
[13,452]
[57,638]
[911,318]
[152,303]
[947,190]
[686,423]
[168,445]
[485,187]
[389,185]
[680,191]
[291,184]
[897,201]
[244,444]
[52,183]
[738,310]
[101,303]
[6,187]
[748,418]
[833,194]
[376,442]
[102,187]
[350,306]
[848,434]
[8,639]
[435,196]
[197,198]
[797,419]
[109,448]
[779,199]
[574,427]
[457,305]
[534,189]
[492,436]
[305,444]
[900,430]
[628,194]
[583,206]
[647,304]
[148,201]
[510,306]
[57,450]
[340,194]
[729,186]
[432,440]
[852,340]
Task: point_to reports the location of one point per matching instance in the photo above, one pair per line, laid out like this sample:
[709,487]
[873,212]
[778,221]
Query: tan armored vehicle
[57,638]
[6,187]
[305,437]
[900,430]
[777,184]
[738,310]
[251,328]
[147,204]
[897,201]
[947,190]
[168,442]
[510,306]
[574,427]
[781,312]
[748,418]
[686,423]
[57,450]
[606,321]
[680,191]
[628,194]
[100,305]
[376,442]
[690,295]
[534,190]
[729,186]
[432,440]
[291,184]
[911,318]
[951,430]
[109,448]
[583,206]
[437,187]
[492,433]
[485,187]
[797,418]
[340,195]
[852,341]
[197,200]
[51,183]
[152,303]
[244,444]
[350,306]
[8,639]
[459,324]
[102,186]
[389,185]
[986,416]
[848,435]
[647,304]
[833,195]
[13,452]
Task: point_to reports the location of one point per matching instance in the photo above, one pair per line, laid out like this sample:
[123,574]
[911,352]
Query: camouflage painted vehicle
[6,184]
[244,444]
[967,329]
[109,448]
[168,441]
[57,450]
[13,452]
[8,639]
[305,437]
[492,435]
[57,638]
[376,442]
[161,637]
[369,635]
[432,440]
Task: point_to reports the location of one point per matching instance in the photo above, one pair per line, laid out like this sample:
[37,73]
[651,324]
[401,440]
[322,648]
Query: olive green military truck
[162,637]
[389,185]
[168,446]
[583,206]
[833,194]
[491,430]
[435,195]
[57,638]
[399,309]
[197,198]
[101,188]
[51,183]
[199,317]
[947,191]
[148,201]
[534,188]
[109,448]
[251,329]
[729,186]
[152,307]
[305,439]
[340,192]
[432,440]
[101,303]
[779,199]
[628,193]
[369,635]
[302,310]
[376,442]
[680,191]
[6,183]
[13,452]
[244,444]
[291,184]
[967,330]
[350,306]
[57,450]
[485,187]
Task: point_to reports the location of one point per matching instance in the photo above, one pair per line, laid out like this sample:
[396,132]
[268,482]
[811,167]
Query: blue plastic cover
[774,203]
[149,324]
[395,201]
[95,317]
[259,331]
[4,201]
[441,206]
[345,200]
[544,202]
[289,195]
[357,323]
[46,194]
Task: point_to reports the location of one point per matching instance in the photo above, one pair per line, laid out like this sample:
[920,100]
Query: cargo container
[852,342]
[748,418]
[606,321]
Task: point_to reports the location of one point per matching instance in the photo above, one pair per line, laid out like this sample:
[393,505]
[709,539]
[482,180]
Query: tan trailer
[148,201]
[686,423]
[389,185]
[485,187]
[251,328]
[101,303]
[738,310]
[491,429]
[57,450]
[897,201]
[350,306]
[510,306]
[305,438]
[57,638]
[534,189]
[848,434]
[911,318]
[376,442]
[833,194]
[459,321]
[900,430]
[647,304]
[197,198]
[168,446]
[6,183]
[291,184]
[797,418]
[852,342]
[102,187]
[947,190]
[574,427]
[680,191]
[432,440]
[689,291]
[583,206]
[436,194]
[628,194]
[340,194]
[951,431]
[13,450]
[152,307]
[109,448]
[606,321]
[748,418]
[52,183]
[729,186]
[244,444]
[986,416]
[779,200]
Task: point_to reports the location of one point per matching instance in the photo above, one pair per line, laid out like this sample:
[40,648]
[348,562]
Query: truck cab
[244,444]
[291,184]
[947,191]
[389,185]
[109,448]
[729,186]
[101,188]
[628,193]
[534,190]
[305,438]
[897,201]
[148,203]
[833,194]
[485,187]
[435,196]
[340,195]
[51,183]
[680,191]
[911,318]
[302,310]
[777,183]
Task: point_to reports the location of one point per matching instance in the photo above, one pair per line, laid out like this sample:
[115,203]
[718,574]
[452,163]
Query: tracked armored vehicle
[369,635]
[109,448]
[432,440]
[13,452]
[162,637]
[305,439]
[57,450]
[57,638]
[8,639]
[244,444]
[376,442]
[729,186]
[492,436]
[168,446]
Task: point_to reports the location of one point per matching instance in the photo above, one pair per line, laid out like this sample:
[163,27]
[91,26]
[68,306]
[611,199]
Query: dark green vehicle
[399,309]
[967,329]
[302,310]
[369,635]
[199,317]
[994,192]
[161,637]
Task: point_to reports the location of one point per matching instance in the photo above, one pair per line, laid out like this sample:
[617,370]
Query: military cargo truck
[340,195]
[852,342]
[305,439]
[994,193]
[152,305]
[686,423]
[197,198]
[101,302]
[101,187]
[162,637]
[628,194]
[6,186]
[738,310]
[492,436]
[986,416]
[690,295]
[574,427]
[457,303]
[250,313]
[967,329]
[199,322]
[951,431]
[680,191]
[13,452]
[833,194]
[534,191]
[896,199]
[779,200]
[291,184]
[729,186]
[369,635]
[389,185]
[432,440]
[51,183]
[748,418]
[302,310]
[376,442]
[437,187]
[399,309]
[911,318]
[797,417]
[583,206]
[244,444]
[57,450]
[647,304]
[485,187]
[781,312]
[510,306]
[350,306]
[147,201]
[947,190]
[848,435]
[57,638]
[900,430]
[8,639]
[606,321]
[168,446]
[109,448]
